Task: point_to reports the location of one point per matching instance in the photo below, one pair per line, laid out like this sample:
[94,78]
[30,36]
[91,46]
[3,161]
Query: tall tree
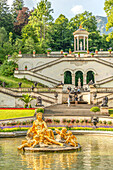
[22,20]
[5,16]
[61,34]
[3,36]
[16,6]
[39,23]
[86,19]
[109,11]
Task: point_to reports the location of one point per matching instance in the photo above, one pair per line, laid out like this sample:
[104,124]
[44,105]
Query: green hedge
[9,114]
[111,111]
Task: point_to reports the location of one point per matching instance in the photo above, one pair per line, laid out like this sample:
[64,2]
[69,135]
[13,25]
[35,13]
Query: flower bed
[76,122]
[17,108]
[86,128]
[70,124]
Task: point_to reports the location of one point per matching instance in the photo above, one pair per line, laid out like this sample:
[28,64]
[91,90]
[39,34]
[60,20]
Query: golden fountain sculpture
[39,136]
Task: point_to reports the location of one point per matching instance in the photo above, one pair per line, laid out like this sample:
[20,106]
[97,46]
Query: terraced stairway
[99,100]
[37,77]
[45,98]
[43,66]
[73,110]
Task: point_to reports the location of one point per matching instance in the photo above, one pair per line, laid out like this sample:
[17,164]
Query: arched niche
[67,77]
[90,76]
[78,74]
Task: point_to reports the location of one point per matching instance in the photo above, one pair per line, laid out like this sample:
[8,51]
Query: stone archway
[90,76]
[67,77]
[78,74]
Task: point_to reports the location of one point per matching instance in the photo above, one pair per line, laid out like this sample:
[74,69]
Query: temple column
[84,43]
[87,43]
[74,44]
[73,79]
[77,43]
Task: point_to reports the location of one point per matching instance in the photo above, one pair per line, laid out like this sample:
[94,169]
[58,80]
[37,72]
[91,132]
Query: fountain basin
[53,148]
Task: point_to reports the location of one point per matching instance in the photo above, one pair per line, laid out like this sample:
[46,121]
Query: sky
[70,8]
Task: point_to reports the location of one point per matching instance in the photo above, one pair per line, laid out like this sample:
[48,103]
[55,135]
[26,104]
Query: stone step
[73,110]
[72,106]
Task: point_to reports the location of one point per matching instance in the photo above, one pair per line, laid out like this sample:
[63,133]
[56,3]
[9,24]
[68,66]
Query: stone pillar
[84,43]
[77,43]
[62,75]
[95,77]
[84,80]
[74,44]
[73,79]
[87,43]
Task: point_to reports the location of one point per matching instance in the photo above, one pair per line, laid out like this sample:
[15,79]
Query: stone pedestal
[104,110]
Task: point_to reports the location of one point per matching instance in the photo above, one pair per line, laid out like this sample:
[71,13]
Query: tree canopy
[109,11]
[28,30]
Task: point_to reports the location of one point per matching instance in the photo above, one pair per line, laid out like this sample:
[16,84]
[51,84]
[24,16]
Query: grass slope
[12,82]
[9,114]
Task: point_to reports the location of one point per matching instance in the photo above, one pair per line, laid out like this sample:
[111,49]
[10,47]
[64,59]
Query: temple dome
[81,31]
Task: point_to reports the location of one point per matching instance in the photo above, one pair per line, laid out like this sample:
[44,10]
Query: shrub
[89,121]
[30,106]
[86,121]
[77,121]
[31,121]
[72,121]
[7,68]
[81,121]
[104,122]
[24,123]
[64,120]
[109,122]
[92,53]
[56,120]
[48,121]
[95,109]
[100,122]
[111,111]
[68,121]
[25,106]
[40,110]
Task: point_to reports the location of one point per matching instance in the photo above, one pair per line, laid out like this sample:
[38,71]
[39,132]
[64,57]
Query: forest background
[27,30]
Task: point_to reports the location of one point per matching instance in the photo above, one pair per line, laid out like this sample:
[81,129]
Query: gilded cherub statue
[67,137]
[39,134]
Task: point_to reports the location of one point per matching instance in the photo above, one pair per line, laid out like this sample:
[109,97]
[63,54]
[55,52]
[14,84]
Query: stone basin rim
[50,149]
[75,132]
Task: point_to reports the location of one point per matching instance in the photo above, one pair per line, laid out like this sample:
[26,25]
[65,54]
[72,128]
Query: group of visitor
[70,96]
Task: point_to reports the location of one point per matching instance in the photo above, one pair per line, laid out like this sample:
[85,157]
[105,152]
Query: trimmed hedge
[111,112]
[95,109]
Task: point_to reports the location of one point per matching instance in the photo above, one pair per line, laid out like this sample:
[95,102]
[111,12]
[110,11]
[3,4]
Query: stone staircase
[43,66]
[105,80]
[99,100]
[73,110]
[45,98]
[37,77]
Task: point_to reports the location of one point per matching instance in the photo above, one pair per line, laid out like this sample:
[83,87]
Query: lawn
[16,113]
[12,82]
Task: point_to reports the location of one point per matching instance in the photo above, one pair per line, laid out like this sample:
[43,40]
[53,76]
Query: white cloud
[77,9]
[10,2]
